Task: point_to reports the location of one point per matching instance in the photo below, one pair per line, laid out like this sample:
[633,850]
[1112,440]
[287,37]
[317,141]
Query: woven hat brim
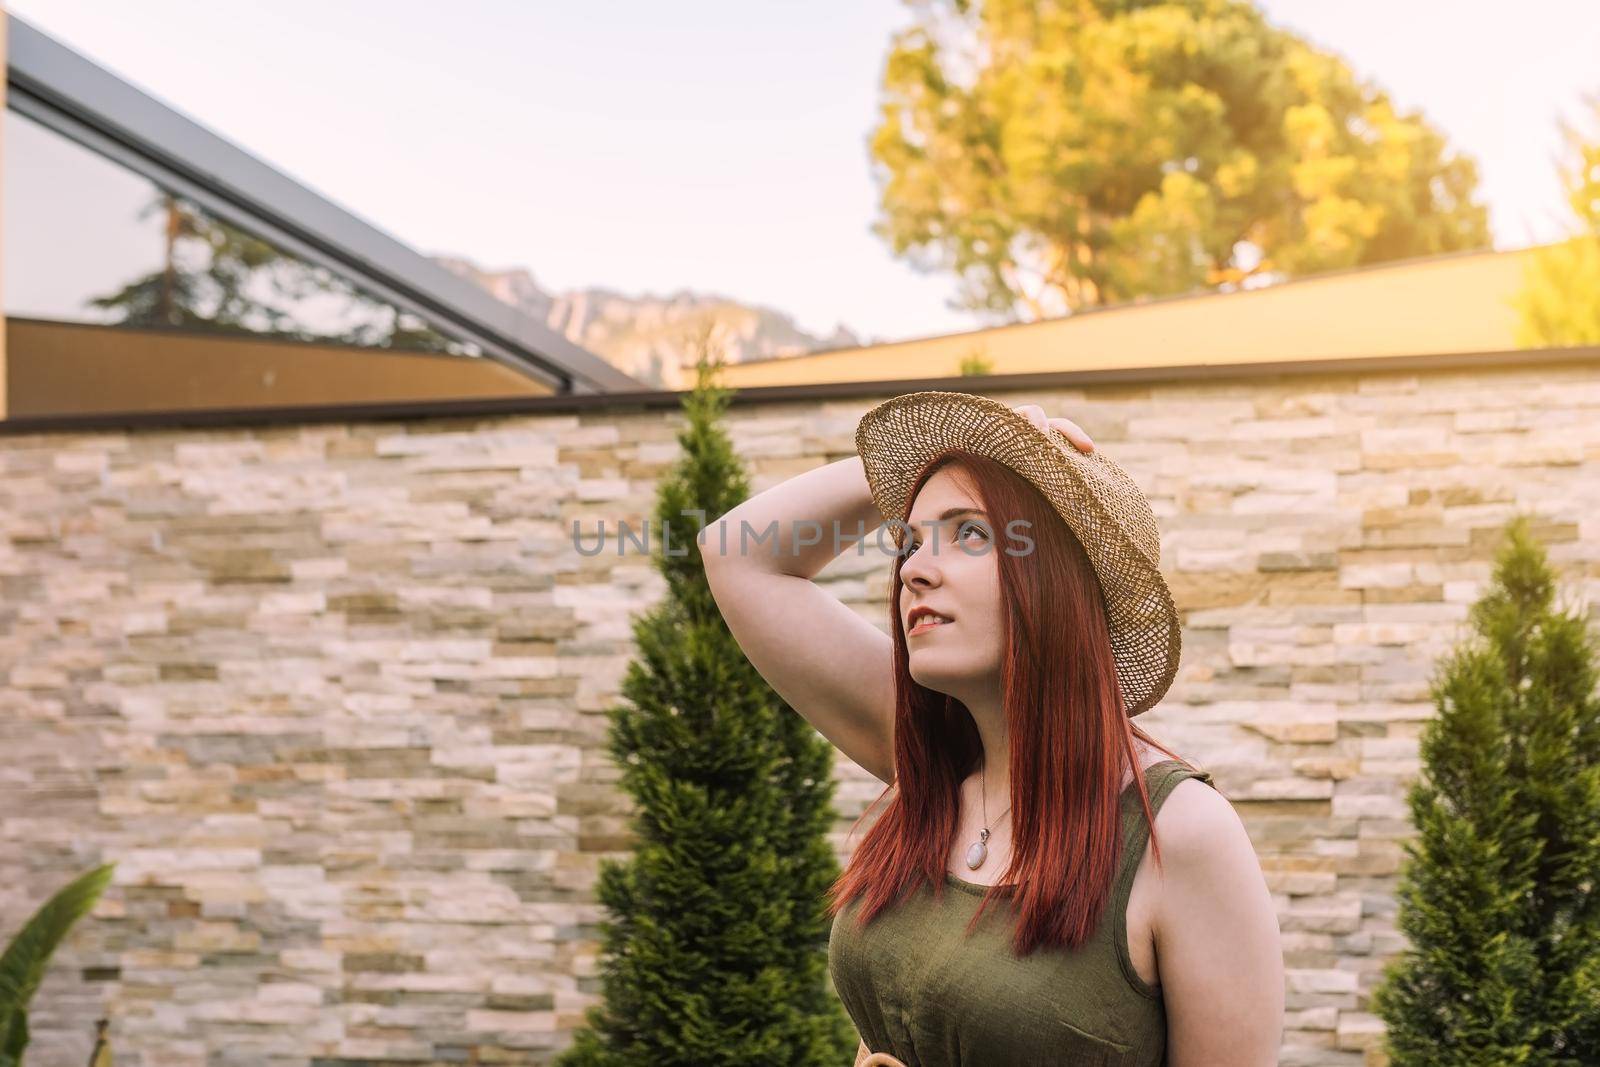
[1095,497]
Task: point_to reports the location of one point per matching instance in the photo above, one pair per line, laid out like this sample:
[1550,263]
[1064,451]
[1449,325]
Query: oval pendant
[976,854]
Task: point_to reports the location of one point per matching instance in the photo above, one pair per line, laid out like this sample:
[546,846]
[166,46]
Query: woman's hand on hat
[1074,432]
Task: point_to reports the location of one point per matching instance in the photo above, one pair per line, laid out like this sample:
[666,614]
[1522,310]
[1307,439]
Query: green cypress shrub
[1498,896]
[714,950]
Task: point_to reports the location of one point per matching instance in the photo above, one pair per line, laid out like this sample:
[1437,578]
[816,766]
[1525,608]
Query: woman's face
[953,570]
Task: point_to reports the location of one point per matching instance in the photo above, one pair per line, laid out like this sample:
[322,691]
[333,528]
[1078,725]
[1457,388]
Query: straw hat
[1097,499]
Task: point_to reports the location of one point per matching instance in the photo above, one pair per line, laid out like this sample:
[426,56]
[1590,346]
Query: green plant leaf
[22,966]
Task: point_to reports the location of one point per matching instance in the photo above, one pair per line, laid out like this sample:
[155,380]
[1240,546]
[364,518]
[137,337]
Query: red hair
[1071,739]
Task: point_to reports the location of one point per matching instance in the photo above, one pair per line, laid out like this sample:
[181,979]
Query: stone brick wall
[332,696]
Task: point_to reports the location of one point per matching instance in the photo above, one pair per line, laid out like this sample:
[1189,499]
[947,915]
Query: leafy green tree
[976,362]
[1064,154]
[1559,303]
[217,277]
[1498,898]
[715,949]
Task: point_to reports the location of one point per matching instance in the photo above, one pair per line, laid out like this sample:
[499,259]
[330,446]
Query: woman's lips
[926,625]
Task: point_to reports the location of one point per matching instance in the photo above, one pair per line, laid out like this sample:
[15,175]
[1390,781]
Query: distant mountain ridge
[645,336]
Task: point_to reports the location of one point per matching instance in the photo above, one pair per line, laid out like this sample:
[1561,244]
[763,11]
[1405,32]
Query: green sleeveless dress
[918,988]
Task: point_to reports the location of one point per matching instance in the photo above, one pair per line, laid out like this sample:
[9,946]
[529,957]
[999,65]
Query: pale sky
[719,145]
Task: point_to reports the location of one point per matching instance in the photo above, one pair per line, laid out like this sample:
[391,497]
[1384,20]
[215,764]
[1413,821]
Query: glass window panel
[87,240]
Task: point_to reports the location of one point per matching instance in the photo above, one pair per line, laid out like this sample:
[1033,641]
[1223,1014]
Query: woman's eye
[966,530]
[976,529]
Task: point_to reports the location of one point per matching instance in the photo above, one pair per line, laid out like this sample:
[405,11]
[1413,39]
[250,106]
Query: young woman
[1012,904]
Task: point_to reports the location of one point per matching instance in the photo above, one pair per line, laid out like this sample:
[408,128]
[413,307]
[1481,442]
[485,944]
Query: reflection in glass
[88,241]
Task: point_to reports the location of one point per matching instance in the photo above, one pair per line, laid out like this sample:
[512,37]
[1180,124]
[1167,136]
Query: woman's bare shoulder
[1199,829]
[1197,811]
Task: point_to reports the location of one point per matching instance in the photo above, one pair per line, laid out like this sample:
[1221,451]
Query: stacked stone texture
[333,697]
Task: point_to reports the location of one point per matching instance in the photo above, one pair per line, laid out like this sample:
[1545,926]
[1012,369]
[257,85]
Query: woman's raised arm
[820,656]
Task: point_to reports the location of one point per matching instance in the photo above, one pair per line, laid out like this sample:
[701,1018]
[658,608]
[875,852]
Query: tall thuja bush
[1498,897]
[714,950]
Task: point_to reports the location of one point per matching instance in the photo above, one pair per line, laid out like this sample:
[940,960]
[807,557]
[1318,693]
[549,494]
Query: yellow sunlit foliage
[1559,303]
[1078,153]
